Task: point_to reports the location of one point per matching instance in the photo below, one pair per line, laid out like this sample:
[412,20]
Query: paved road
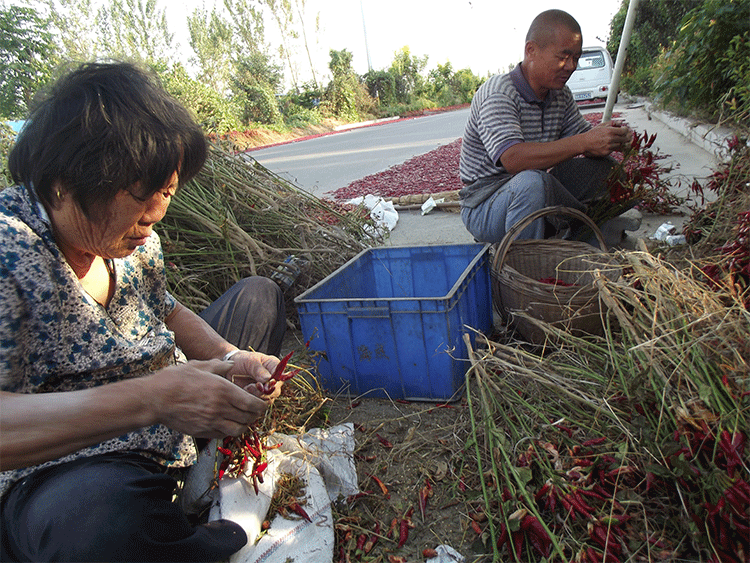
[324,164]
[330,162]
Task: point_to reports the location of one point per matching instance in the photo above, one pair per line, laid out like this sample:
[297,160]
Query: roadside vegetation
[237,84]
[628,446]
[692,57]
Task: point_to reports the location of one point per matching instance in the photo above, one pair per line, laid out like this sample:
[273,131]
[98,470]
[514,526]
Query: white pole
[364,28]
[620,61]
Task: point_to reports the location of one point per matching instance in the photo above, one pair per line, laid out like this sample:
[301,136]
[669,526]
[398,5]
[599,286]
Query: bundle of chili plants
[237,219]
[637,180]
[719,232]
[629,446]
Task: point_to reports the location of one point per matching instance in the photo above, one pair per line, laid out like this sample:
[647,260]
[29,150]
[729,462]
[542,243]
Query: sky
[486,36]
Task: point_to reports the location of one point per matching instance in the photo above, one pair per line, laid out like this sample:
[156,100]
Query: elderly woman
[105,379]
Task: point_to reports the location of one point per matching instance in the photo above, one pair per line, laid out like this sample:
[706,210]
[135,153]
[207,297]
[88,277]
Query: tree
[406,70]
[74,27]
[300,5]
[282,13]
[656,24]
[247,23]
[708,66]
[211,38]
[255,82]
[25,50]
[341,92]
[136,30]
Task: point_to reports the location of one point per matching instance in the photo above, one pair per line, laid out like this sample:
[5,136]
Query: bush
[708,64]
[213,112]
[261,106]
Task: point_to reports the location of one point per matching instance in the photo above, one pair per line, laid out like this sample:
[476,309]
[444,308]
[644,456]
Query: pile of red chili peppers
[249,449]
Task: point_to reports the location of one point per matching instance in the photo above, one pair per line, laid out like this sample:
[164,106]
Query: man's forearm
[541,156]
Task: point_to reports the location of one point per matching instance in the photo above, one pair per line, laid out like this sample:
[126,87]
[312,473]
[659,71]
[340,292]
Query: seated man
[523,134]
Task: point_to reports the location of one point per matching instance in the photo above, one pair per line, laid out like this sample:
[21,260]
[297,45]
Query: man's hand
[605,138]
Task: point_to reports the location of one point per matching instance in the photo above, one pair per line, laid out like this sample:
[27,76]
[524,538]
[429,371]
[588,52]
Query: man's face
[550,66]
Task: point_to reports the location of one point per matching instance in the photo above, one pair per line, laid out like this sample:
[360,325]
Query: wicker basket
[519,266]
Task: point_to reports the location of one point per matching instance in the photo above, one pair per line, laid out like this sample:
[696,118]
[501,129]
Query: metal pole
[620,61]
[364,29]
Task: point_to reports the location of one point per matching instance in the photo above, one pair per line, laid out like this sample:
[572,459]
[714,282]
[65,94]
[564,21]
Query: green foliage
[7,140]
[211,38]
[255,83]
[301,109]
[449,88]
[260,106]
[406,70]
[381,85]
[707,69]
[135,30]
[25,49]
[215,113]
[736,103]
[340,96]
[73,24]
[656,24]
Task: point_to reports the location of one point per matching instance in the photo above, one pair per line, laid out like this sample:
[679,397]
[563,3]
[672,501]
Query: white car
[591,79]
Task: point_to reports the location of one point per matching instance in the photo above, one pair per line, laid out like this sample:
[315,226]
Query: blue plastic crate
[390,322]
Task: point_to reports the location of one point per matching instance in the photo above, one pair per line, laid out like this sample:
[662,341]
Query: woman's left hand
[252,371]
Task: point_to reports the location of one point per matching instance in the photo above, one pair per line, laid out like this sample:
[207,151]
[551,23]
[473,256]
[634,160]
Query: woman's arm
[199,341]
[193,398]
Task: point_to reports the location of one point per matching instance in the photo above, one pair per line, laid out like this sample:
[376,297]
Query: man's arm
[598,141]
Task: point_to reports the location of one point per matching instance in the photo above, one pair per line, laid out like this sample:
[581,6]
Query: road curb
[711,138]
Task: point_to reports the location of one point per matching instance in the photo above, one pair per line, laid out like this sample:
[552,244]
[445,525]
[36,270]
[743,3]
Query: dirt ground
[411,448]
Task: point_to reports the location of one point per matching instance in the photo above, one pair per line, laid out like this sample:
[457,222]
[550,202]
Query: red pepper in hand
[277,373]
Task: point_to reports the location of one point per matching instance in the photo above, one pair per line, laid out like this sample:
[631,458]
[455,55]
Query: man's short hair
[543,28]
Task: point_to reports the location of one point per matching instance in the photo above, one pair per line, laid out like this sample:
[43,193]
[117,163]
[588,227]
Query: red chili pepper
[503,538]
[281,366]
[424,493]
[299,510]
[517,537]
[260,468]
[392,528]
[287,376]
[372,540]
[595,441]
[593,555]
[361,542]
[403,533]
[386,443]
[474,526]
[382,486]
[537,535]
[225,451]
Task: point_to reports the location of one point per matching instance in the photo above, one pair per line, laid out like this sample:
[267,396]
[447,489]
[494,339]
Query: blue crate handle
[368,312]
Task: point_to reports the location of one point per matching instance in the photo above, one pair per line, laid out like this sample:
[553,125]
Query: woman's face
[116,232]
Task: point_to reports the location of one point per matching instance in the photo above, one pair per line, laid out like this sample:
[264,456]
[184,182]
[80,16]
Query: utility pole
[364,29]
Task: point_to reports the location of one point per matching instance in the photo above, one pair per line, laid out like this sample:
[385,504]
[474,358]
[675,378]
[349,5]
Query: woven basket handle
[516,229]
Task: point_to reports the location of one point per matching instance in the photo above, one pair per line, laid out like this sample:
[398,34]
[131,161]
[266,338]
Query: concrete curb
[711,138]
[366,123]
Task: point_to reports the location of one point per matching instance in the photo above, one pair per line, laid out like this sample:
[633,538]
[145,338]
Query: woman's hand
[198,398]
[252,371]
